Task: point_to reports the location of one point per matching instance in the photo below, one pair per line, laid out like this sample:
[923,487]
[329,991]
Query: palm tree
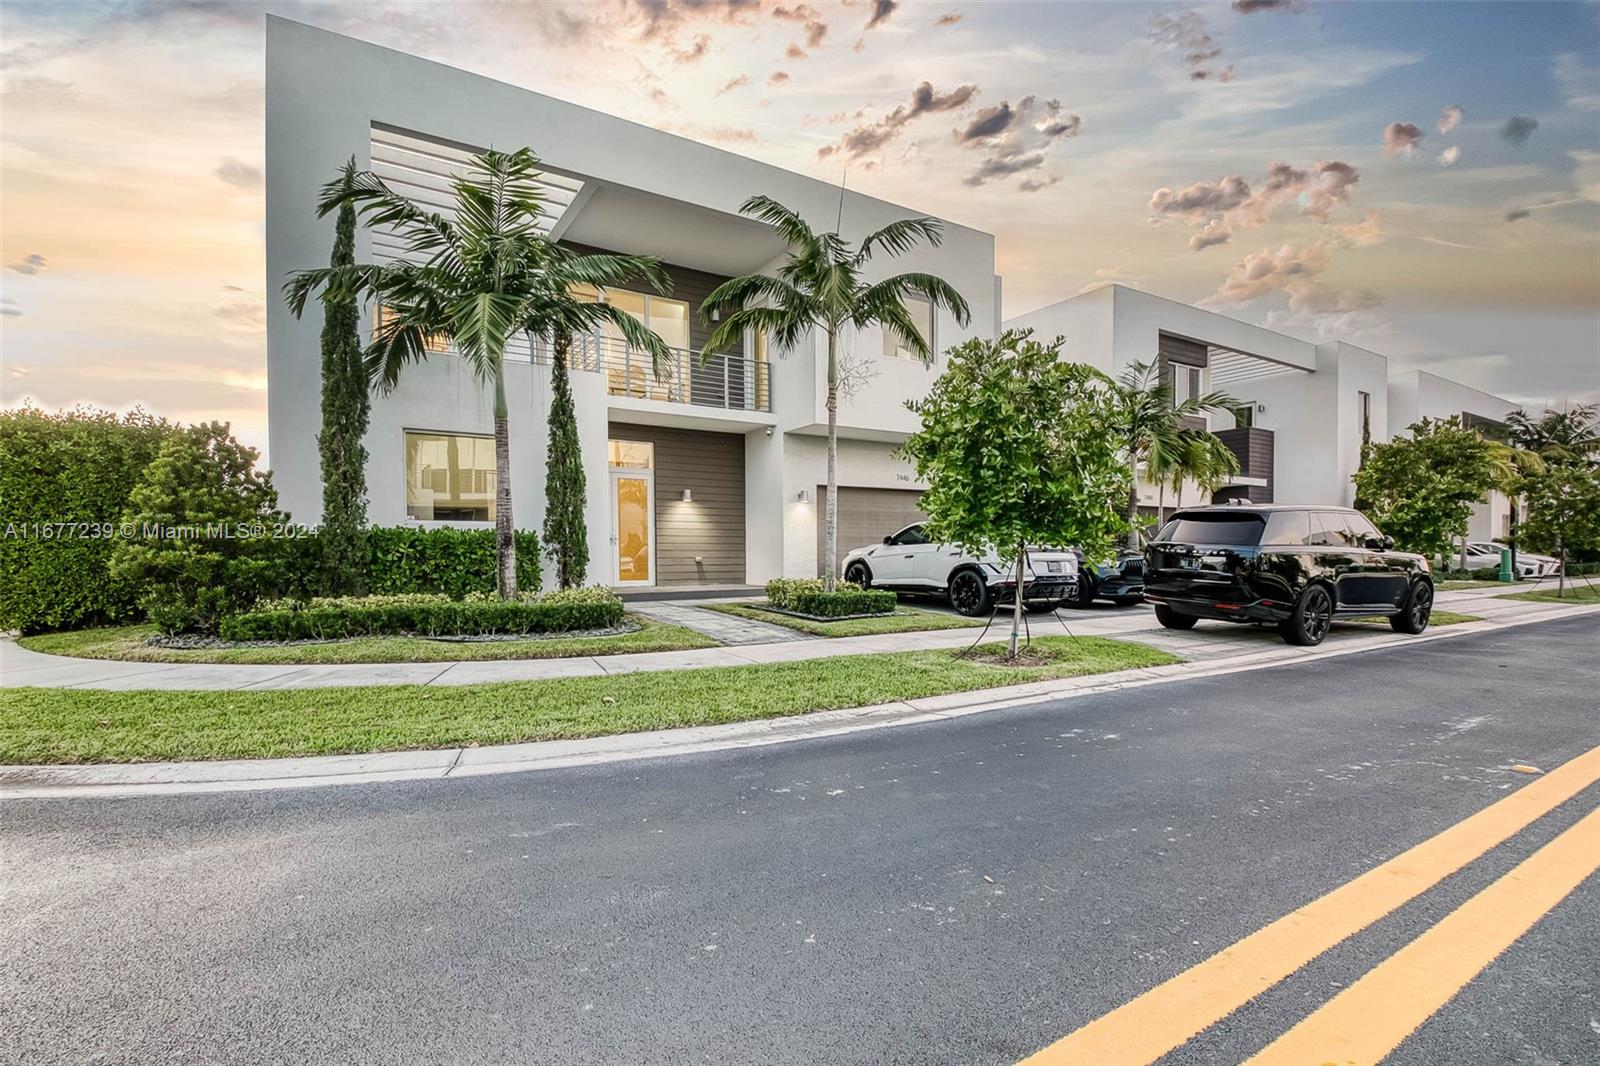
[820,287]
[486,274]
[1566,436]
[1152,427]
[1204,459]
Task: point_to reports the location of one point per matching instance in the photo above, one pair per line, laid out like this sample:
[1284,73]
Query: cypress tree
[566,537]
[346,408]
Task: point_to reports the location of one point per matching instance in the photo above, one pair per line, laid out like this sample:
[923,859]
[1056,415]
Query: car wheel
[1171,619]
[1418,608]
[969,594]
[1308,625]
[857,573]
[1086,591]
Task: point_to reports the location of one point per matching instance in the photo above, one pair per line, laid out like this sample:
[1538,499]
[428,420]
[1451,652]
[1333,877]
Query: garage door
[866,516]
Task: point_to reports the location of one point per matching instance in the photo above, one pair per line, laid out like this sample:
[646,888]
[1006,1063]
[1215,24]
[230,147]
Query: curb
[173,778]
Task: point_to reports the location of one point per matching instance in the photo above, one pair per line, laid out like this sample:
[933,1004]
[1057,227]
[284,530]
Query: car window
[1288,527]
[911,535]
[1332,529]
[1362,529]
[1243,530]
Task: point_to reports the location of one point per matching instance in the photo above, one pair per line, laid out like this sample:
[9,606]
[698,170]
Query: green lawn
[40,725]
[1578,591]
[903,620]
[1437,618]
[128,643]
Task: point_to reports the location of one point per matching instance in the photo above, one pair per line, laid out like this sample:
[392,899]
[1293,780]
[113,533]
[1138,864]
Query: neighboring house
[713,474]
[1417,394]
[709,475]
[1299,427]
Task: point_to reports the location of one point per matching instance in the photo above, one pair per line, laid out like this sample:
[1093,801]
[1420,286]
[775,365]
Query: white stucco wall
[1417,394]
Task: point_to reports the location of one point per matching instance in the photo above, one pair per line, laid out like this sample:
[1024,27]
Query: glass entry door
[633,525]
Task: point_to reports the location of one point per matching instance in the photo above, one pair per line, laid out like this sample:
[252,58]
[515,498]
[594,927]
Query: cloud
[1017,139]
[695,52]
[778,77]
[1449,118]
[1579,82]
[9,309]
[1216,231]
[816,30]
[1250,7]
[1364,234]
[661,19]
[1450,156]
[1517,214]
[1189,34]
[31,263]
[239,173]
[948,20]
[1037,182]
[924,100]
[735,83]
[794,51]
[1295,269]
[1269,270]
[1518,129]
[1401,138]
[1202,198]
[881,10]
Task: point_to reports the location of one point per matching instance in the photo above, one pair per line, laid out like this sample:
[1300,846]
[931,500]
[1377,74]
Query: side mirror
[1388,543]
[888,540]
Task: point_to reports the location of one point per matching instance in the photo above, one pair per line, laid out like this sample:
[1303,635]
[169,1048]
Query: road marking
[1370,1018]
[1169,1015]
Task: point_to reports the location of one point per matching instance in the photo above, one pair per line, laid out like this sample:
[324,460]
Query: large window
[921,312]
[668,318]
[449,477]
[1186,383]
[434,342]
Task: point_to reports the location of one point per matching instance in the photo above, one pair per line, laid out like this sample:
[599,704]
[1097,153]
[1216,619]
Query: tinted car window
[1236,529]
[1363,530]
[1330,529]
[1288,527]
[911,535]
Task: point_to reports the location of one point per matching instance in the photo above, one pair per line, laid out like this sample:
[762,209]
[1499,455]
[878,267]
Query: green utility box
[1505,565]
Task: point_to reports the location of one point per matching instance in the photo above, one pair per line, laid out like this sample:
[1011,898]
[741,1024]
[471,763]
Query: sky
[1419,179]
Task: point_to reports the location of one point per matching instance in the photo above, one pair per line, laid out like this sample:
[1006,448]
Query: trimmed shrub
[206,522]
[425,615]
[807,595]
[65,480]
[452,562]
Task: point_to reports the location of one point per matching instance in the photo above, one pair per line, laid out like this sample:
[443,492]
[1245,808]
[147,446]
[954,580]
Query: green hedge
[425,615]
[453,562]
[65,480]
[807,596]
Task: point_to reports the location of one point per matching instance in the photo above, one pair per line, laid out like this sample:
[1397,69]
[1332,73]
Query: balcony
[1254,448]
[729,381]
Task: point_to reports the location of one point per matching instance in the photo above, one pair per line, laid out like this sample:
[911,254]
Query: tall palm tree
[1151,425]
[1572,435]
[486,274]
[820,287]
[1203,459]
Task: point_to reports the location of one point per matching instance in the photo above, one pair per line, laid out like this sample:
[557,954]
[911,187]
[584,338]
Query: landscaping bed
[132,644]
[39,726]
[1437,618]
[807,597]
[900,620]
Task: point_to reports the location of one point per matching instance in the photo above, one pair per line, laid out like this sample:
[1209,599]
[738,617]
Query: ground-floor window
[450,477]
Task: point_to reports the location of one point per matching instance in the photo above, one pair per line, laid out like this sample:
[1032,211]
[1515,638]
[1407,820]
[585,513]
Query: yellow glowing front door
[633,527]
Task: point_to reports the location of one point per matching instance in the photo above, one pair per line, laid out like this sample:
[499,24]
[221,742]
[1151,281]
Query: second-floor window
[668,318]
[435,342]
[1186,383]
[921,312]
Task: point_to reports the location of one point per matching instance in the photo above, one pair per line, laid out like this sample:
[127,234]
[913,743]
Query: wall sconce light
[686,496]
[805,497]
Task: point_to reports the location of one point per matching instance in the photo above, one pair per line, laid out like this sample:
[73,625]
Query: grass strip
[1437,618]
[903,620]
[39,725]
[127,643]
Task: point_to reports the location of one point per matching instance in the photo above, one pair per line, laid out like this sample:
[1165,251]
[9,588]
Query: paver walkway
[727,628]
[20,667]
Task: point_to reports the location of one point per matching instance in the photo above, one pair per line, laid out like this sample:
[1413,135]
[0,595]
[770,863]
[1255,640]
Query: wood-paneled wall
[711,525]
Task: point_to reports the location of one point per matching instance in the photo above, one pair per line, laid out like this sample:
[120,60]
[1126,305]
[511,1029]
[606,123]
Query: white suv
[908,562]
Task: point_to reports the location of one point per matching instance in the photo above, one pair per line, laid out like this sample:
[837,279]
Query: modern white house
[707,475]
[712,473]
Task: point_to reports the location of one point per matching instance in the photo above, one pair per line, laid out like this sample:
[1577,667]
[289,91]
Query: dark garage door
[866,516]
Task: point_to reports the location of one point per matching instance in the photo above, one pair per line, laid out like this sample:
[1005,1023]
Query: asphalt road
[960,892]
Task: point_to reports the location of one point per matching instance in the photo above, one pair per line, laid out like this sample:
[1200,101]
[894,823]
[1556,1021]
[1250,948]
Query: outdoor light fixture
[687,496]
[805,497]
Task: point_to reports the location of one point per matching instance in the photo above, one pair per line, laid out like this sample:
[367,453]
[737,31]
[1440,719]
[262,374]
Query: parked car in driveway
[1121,581]
[1296,566]
[1485,555]
[907,561]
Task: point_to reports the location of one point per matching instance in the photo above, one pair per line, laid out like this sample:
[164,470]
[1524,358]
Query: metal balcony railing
[730,381]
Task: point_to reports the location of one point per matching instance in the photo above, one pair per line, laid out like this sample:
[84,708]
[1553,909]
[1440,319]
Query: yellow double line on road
[1371,1018]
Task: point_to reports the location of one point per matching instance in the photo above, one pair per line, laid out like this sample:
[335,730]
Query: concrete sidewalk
[20,667]
[157,778]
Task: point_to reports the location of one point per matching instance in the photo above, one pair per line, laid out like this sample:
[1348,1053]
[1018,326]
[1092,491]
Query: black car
[1120,581]
[1296,566]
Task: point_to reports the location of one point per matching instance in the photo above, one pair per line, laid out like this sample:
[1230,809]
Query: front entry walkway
[725,628]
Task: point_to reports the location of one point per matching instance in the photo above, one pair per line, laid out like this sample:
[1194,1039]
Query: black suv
[1296,566]
[1121,582]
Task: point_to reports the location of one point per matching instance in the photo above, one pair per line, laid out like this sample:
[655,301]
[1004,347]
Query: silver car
[908,562]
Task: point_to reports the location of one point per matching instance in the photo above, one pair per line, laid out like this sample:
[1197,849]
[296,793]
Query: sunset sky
[1420,179]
